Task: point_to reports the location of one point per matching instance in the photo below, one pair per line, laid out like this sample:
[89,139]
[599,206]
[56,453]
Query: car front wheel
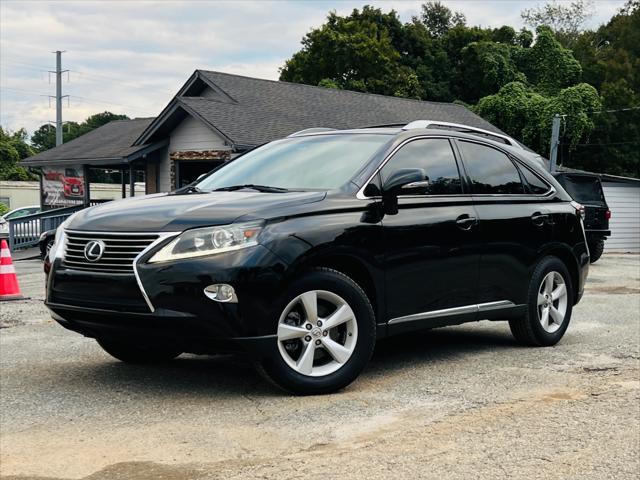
[325,334]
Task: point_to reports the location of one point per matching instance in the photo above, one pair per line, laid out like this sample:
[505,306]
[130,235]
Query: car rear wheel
[325,334]
[134,352]
[549,307]
[596,248]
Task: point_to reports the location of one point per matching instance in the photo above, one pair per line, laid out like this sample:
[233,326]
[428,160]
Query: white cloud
[132,56]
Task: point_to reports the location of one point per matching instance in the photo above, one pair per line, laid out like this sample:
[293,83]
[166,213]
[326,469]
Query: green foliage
[438,19]
[13,148]
[3,208]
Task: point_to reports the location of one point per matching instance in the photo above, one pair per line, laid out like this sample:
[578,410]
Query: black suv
[306,250]
[586,189]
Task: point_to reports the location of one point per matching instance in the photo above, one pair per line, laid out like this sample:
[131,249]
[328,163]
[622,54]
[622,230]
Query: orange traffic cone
[9,288]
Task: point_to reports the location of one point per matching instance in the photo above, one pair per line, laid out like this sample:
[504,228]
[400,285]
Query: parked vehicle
[45,243]
[15,213]
[586,189]
[305,251]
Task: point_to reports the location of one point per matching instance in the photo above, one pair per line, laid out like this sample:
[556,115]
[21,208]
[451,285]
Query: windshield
[322,162]
[583,189]
[71,172]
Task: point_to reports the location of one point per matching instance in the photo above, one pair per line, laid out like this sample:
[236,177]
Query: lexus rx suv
[305,251]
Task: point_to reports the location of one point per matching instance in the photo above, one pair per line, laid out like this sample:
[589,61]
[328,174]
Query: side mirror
[405,178]
[200,177]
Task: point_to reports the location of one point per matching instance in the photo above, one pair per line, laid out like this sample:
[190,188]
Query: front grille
[119,253]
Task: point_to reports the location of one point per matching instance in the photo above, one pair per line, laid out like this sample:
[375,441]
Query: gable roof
[109,143]
[250,111]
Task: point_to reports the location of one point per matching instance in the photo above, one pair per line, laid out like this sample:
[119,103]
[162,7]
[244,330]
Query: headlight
[209,241]
[57,249]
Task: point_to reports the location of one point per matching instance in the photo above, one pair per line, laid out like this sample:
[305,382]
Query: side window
[491,171]
[435,156]
[536,185]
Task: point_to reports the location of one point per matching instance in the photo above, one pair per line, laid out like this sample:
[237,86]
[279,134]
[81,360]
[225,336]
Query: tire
[333,359]
[596,249]
[530,329]
[137,353]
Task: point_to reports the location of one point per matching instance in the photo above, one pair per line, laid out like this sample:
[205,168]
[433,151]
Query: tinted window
[583,189]
[491,171]
[435,156]
[536,185]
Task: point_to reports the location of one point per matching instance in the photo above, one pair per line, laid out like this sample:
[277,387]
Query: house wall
[624,202]
[191,135]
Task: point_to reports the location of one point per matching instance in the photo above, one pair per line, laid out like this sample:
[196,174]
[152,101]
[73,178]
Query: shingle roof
[265,109]
[112,141]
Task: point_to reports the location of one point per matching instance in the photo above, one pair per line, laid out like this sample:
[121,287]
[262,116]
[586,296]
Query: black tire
[138,353]
[275,369]
[596,248]
[528,329]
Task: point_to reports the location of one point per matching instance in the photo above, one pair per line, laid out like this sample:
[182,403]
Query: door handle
[539,219]
[466,222]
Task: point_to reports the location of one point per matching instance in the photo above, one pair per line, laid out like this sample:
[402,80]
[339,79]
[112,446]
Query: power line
[602,144]
[626,109]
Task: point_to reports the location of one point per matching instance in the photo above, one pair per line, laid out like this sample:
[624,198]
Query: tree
[13,148]
[566,21]
[511,78]
[526,114]
[439,19]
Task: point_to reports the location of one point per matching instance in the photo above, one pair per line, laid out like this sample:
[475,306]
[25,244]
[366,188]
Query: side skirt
[500,310]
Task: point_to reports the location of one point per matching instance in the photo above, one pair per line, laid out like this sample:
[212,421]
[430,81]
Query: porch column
[124,188]
[132,183]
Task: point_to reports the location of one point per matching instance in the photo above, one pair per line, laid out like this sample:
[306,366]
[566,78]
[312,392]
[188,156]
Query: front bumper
[101,305]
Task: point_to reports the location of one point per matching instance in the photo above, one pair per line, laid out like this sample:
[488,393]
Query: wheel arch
[567,257]
[351,265]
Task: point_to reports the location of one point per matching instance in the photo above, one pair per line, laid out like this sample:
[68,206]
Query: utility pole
[59,96]
[555,141]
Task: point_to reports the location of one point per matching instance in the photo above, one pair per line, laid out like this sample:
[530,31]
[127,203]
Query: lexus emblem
[94,250]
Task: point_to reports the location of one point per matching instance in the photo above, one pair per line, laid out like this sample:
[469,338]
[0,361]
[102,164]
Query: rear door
[515,223]
[431,257]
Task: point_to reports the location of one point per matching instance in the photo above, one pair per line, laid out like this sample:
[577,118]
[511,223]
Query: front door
[431,259]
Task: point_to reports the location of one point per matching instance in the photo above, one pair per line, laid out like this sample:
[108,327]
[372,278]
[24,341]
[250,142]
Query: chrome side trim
[482,307]
[161,237]
[435,313]
[485,307]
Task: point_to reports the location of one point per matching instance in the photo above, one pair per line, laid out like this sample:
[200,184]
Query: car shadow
[231,375]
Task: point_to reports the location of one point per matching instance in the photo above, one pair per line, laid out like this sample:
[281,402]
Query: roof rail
[312,130]
[416,124]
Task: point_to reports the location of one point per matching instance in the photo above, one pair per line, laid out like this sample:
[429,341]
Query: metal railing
[25,231]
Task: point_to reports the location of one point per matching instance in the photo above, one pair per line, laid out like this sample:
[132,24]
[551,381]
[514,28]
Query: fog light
[221,292]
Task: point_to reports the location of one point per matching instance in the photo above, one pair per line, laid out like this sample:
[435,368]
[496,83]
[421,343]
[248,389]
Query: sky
[131,57]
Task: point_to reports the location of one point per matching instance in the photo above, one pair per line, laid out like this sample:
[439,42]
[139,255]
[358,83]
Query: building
[215,116]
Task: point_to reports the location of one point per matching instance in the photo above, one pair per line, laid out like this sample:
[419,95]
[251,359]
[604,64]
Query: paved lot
[453,403]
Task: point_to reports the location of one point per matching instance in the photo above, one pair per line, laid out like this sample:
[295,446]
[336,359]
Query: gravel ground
[453,403]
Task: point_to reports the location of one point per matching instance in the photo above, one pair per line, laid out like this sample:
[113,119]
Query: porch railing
[25,231]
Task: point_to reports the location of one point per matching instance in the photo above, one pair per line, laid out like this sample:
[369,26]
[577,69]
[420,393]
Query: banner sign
[62,186]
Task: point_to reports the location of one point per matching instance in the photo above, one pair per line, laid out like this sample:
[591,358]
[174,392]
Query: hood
[72,180]
[172,213]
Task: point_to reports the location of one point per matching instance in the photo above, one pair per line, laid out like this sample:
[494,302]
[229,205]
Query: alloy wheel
[317,333]
[552,302]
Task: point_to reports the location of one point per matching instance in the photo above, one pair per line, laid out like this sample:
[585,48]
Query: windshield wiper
[259,188]
[190,189]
